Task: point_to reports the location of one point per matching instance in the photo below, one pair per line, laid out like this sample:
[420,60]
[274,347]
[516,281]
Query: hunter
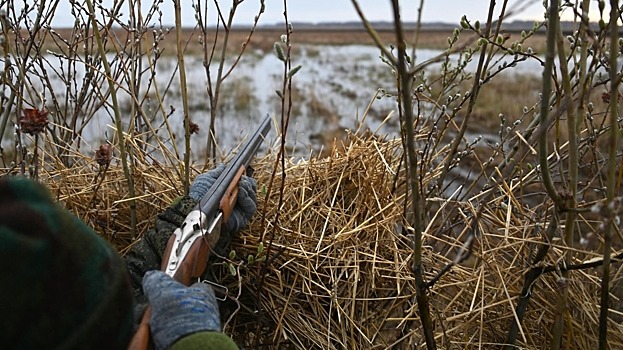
[64,287]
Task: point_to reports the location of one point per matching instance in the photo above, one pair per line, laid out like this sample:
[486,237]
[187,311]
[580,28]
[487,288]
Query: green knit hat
[61,285]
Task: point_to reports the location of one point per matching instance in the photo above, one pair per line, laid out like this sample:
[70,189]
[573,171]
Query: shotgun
[186,255]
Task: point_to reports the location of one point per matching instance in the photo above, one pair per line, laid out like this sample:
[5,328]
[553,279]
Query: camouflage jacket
[147,253]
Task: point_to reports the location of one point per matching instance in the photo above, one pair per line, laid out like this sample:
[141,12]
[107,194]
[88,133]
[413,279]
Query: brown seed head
[194,128]
[103,155]
[33,121]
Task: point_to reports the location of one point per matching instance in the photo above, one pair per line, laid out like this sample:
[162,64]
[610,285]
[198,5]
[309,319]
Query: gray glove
[177,310]
[246,204]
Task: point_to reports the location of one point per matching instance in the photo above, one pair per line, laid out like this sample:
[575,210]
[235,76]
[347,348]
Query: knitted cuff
[178,310]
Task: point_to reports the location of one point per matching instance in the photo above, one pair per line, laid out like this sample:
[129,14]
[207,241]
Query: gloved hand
[147,253]
[246,203]
[177,310]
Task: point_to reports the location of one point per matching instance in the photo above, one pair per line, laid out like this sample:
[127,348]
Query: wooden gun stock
[141,339]
[189,270]
[195,263]
[228,202]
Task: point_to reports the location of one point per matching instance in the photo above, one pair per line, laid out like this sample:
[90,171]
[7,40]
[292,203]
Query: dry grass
[326,262]
[339,273]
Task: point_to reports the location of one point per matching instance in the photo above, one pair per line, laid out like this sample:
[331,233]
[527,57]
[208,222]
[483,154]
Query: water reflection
[331,92]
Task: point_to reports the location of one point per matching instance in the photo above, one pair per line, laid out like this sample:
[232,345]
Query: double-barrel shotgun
[186,255]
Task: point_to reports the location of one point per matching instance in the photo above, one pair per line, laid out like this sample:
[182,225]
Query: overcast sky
[318,11]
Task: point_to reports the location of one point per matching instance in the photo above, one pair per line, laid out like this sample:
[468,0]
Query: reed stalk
[570,203]
[553,23]
[184,92]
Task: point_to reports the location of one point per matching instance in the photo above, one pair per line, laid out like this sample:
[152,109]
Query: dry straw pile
[338,273]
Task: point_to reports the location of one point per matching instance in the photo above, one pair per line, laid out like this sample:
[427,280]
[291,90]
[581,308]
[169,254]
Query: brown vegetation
[264,38]
[339,274]
[371,245]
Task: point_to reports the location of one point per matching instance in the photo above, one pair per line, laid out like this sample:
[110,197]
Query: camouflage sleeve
[146,254]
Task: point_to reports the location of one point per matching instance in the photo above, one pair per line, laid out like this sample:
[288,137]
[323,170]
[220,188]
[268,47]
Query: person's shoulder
[205,341]
[22,189]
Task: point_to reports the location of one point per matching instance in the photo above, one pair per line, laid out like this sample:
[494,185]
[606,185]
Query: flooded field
[331,92]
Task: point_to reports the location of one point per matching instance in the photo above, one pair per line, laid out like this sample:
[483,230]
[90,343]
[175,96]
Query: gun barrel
[209,204]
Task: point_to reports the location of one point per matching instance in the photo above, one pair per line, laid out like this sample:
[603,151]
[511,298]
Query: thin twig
[417,202]
[553,22]
[611,179]
[465,251]
[112,86]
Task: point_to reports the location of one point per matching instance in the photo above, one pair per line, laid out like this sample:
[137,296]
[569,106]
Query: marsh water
[332,91]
